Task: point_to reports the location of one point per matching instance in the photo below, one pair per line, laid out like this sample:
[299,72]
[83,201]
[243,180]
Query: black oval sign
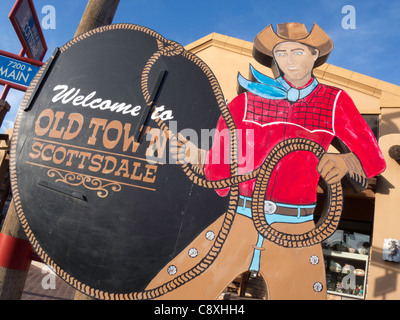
[96,190]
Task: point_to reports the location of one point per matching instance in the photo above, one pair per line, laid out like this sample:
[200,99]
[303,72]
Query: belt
[274,212]
[271,207]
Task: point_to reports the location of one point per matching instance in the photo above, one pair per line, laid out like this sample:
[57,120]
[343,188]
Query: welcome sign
[100,132]
[95,188]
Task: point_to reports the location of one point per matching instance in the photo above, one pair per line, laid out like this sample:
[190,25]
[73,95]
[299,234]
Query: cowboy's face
[295,60]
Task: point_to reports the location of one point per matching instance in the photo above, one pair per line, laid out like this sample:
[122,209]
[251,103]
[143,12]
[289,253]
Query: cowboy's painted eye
[298,53]
[279,54]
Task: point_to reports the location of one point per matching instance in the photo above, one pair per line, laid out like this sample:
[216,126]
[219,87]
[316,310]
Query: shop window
[246,286]
[347,251]
[373,123]
[346,255]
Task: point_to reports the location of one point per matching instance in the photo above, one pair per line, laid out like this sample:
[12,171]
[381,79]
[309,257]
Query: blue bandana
[278,89]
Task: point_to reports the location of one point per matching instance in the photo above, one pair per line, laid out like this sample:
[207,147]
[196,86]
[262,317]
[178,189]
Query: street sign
[17,72]
[26,24]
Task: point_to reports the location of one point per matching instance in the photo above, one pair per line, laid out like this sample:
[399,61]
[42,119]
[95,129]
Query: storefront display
[346,259]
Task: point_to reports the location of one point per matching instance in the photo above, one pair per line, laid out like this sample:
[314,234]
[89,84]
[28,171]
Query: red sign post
[16,71]
[25,21]
[26,24]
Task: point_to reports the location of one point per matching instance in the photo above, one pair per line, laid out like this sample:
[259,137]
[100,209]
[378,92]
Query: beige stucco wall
[226,65]
[384,276]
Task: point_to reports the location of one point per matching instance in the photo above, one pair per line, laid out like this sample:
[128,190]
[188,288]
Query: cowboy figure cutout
[272,231]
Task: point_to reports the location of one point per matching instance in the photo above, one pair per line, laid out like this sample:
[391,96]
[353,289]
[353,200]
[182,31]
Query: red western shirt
[262,123]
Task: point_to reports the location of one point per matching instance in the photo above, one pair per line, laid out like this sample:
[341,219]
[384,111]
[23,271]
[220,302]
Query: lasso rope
[330,217]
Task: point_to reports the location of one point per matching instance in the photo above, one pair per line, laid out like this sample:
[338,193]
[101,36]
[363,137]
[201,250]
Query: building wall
[384,276]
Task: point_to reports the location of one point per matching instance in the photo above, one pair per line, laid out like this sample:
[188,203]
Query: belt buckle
[269,207]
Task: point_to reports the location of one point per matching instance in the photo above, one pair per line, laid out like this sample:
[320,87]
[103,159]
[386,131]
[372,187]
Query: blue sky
[372,48]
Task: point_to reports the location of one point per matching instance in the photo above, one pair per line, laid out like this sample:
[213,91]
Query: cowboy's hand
[333,167]
[184,151]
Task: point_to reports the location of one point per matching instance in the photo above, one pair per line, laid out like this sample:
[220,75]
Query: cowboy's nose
[289,59]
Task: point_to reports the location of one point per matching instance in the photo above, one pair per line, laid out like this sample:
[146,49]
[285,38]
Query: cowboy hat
[267,39]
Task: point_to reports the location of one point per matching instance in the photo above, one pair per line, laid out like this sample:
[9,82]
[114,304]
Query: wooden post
[4,108]
[12,279]
[15,249]
[4,169]
[98,13]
